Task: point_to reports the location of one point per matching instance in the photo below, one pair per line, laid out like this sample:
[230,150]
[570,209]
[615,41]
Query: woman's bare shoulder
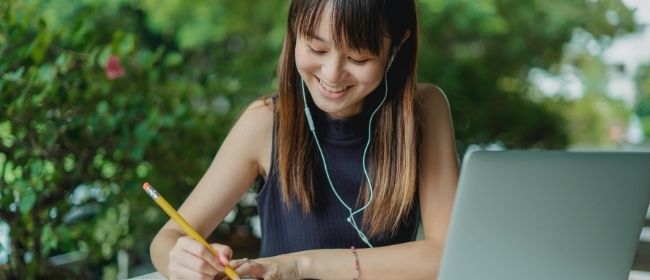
[431,101]
[256,125]
[260,110]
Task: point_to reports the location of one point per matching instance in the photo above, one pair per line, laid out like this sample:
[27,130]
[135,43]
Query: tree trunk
[38,264]
[18,250]
[20,239]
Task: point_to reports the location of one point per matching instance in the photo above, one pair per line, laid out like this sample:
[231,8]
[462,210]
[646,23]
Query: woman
[353,153]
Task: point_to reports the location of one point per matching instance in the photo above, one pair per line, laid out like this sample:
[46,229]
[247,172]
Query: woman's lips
[331,91]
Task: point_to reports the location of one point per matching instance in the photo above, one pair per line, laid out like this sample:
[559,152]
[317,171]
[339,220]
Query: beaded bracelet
[356,263]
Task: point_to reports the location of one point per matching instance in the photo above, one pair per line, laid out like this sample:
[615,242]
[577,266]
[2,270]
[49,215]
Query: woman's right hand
[189,259]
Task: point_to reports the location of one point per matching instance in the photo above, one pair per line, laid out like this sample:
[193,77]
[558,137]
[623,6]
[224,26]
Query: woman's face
[338,80]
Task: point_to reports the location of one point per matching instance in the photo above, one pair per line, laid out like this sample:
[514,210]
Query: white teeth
[332,89]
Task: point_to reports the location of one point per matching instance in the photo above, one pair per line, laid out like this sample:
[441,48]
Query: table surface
[157,276]
[154,275]
[634,275]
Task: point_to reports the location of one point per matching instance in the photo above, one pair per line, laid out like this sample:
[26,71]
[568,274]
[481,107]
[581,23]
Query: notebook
[547,215]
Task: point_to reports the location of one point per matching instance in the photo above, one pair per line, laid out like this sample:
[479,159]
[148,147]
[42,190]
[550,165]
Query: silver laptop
[527,215]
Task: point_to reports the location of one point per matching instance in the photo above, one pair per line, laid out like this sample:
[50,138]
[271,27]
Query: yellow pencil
[184,225]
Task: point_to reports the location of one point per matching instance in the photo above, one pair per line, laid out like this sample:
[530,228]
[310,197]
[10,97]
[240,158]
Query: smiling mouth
[332,89]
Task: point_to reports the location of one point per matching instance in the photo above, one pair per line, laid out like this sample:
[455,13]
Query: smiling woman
[351,152]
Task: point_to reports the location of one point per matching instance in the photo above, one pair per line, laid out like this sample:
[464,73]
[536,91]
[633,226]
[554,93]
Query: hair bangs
[355,24]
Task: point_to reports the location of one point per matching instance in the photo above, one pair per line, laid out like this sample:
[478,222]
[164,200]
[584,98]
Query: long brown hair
[361,25]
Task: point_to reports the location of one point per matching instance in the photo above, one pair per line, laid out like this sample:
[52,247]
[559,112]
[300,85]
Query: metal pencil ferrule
[152,192]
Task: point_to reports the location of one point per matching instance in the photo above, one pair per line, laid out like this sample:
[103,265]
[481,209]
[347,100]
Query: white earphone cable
[312,128]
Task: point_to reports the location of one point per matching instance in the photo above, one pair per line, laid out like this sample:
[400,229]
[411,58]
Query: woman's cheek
[305,61]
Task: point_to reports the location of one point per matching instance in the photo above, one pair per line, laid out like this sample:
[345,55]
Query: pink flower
[114,69]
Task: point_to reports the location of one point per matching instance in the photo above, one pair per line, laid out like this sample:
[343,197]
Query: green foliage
[77,145]
[98,96]
[643,105]
[594,119]
[480,53]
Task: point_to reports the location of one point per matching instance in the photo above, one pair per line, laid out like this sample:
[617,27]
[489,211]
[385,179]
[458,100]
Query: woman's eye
[358,61]
[315,51]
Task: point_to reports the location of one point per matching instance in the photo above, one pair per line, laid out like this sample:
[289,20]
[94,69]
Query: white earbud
[392,57]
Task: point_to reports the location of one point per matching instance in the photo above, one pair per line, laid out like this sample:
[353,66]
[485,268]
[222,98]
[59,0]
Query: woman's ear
[395,50]
[405,37]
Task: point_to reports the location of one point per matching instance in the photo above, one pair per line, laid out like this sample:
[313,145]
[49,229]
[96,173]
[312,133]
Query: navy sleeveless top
[287,230]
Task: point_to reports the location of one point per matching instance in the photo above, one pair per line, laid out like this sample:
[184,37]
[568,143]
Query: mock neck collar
[350,128]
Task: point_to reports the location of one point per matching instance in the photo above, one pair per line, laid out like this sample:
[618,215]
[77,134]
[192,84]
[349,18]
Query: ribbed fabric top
[290,230]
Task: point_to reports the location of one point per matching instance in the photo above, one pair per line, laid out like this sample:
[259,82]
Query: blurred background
[97,96]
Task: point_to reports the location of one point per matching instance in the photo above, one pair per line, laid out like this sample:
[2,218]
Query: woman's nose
[333,70]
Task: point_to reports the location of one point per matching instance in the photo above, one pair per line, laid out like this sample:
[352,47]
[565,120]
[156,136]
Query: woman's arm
[244,152]
[412,260]
[439,168]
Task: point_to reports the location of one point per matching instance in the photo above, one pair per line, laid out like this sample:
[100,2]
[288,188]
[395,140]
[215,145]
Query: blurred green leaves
[643,105]
[26,196]
[6,137]
[76,144]
[481,53]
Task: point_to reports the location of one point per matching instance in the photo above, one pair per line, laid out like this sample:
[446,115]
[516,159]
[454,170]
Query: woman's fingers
[197,264]
[197,249]
[237,263]
[225,253]
[177,271]
[251,268]
[189,259]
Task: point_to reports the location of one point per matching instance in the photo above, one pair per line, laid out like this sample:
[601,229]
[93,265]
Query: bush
[93,104]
